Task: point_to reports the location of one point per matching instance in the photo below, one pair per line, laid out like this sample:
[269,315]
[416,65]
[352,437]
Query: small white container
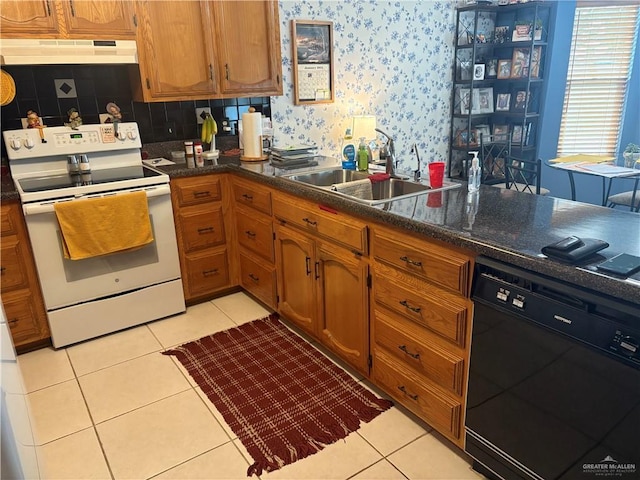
[178,156]
[211,158]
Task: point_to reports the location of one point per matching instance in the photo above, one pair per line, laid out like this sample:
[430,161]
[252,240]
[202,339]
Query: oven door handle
[47,207]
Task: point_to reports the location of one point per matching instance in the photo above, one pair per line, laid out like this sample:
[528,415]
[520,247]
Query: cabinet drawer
[415,393]
[251,195]
[258,279]
[311,217]
[202,226]
[23,317]
[206,272]
[411,344]
[425,260]
[195,190]
[255,233]
[7,220]
[439,311]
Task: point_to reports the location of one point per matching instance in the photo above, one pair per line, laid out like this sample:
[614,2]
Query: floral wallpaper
[392,59]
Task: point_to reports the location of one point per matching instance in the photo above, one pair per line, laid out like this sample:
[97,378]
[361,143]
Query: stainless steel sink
[339,182]
[327,178]
[392,189]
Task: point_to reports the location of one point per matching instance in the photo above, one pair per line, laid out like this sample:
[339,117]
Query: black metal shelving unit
[480,43]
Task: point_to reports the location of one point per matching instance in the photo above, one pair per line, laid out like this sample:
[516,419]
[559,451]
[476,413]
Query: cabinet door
[296,283]
[175,50]
[99,18]
[21,18]
[248,42]
[342,276]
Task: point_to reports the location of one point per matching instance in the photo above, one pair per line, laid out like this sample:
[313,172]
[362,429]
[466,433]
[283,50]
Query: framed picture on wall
[478,71]
[500,133]
[492,68]
[312,61]
[520,63]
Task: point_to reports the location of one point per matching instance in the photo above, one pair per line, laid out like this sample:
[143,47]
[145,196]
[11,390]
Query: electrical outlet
[201,113]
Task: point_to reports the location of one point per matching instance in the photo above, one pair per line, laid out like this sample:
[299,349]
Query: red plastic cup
[436,174]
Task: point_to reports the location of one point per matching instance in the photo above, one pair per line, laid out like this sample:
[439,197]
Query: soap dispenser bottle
[363,156]
[473,180]
[348,151]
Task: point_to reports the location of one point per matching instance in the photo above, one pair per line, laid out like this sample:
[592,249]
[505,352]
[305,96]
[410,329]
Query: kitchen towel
[358,188]
[252,135]
[103,225]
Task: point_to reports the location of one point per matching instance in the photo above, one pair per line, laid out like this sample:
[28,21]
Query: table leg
[573,185]
[605,195]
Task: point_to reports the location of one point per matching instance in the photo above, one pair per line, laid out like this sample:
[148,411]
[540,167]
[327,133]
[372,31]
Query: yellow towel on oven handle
[104,225]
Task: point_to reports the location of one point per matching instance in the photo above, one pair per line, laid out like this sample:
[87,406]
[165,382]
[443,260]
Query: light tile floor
[115,408]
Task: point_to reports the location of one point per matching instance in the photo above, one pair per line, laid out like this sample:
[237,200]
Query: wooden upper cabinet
[248,42]
[23,18]
[88,19]
[175,50]
[99,19]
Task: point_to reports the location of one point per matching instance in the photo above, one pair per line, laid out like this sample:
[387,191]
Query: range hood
[65,52]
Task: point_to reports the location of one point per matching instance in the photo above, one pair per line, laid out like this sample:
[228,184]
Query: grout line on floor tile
[384,459]
[189,460]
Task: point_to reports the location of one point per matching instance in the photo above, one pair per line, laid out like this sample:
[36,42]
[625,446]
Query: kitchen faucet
[416,173]
[390,167]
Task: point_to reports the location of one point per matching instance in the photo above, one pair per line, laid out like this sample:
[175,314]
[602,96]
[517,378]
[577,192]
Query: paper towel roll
[252,135]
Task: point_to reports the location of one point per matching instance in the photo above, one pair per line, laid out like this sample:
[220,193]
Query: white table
[606,171]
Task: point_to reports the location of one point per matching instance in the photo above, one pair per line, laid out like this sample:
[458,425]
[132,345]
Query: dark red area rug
[281,397]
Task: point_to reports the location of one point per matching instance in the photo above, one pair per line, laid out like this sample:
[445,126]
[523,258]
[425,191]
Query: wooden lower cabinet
[421,326]
[20,288]
[201,209]
[322,286]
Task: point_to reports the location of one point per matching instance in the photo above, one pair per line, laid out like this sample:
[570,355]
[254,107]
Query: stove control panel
[52,141]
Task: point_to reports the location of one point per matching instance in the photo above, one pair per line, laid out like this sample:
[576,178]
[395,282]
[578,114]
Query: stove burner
[108,175]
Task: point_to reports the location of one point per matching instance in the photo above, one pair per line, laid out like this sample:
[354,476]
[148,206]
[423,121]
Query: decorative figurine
[33,121]
[74,119]
[114,111]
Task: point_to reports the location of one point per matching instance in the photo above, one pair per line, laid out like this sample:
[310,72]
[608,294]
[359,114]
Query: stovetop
[105,176]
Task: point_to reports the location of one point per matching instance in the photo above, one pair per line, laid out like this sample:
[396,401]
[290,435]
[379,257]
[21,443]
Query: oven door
[68,282]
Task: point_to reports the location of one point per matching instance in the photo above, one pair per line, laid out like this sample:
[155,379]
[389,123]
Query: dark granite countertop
[508,226]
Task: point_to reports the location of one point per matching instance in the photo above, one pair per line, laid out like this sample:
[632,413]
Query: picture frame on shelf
[516,134]
[465,69]
[520,63]
[520,101]
[466,138]
[503,102]
[492,68]
[536,59]
[464,100]
[478,71]
[485,100]
[522,32]
[501,34]
[483,132]
[504,69]
[500,133]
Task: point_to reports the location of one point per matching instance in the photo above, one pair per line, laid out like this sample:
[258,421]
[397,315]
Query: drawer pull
[317,268]
[307,261]
[204,193]
[205,230]
[404,303]
[254,278]
[2,269]
[310,222]
[250,234]
[247,197]
[406,350]
[411,262]
[13,322]
[207,273]
[407,394]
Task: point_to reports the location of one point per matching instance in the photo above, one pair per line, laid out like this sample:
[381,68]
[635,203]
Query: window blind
[602,49]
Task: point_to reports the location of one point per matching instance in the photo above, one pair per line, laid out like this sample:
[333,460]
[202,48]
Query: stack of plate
[7,87]
[294,156]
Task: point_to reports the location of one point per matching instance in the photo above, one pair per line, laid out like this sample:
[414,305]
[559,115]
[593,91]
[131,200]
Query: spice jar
[188,149]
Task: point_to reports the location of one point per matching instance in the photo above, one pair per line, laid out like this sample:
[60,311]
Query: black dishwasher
[554,379]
